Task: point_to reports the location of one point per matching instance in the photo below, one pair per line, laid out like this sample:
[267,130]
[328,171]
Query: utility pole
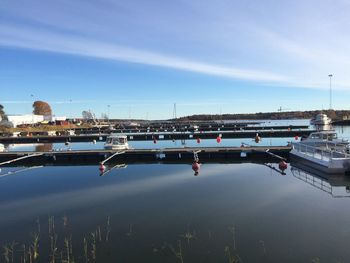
[330,90]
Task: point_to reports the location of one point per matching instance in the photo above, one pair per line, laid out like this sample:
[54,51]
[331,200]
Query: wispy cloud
[47,41]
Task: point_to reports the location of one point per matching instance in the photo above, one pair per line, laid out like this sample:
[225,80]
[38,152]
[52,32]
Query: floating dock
[185,155]
[144,136]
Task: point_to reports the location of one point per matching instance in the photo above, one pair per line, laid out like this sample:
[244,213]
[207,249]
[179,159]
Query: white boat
[117,142]
[328,140]
[323,151]
[2,147]
[321,119]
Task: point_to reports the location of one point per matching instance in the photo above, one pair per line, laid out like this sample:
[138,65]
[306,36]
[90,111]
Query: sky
[135,59]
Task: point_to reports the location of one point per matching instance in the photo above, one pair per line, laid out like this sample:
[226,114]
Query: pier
[185,155]
[144,136]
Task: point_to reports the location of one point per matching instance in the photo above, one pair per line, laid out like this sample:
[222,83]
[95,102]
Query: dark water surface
[146,213]
[163,213]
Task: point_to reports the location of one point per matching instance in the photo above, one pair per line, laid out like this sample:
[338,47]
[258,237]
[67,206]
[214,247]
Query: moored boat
[323,151]
[117,142]
[321,119]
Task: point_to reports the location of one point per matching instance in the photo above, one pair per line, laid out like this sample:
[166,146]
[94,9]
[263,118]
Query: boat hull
[116,147]
[334,166]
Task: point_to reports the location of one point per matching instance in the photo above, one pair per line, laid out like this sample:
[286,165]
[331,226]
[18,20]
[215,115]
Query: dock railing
[327,152]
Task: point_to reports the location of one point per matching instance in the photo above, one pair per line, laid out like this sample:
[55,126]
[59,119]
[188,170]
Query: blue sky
[141,57]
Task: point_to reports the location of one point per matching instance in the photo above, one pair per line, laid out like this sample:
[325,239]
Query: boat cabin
[116,142]
[323,136]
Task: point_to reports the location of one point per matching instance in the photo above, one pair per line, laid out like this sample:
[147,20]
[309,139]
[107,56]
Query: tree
[87,115]
[42,108]
[2,113]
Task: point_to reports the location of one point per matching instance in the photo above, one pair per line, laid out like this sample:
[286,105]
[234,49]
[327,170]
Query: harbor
[174,131]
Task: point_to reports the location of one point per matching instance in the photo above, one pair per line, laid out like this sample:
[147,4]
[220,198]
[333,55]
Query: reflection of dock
[205,154]
[336,185]
[166,135]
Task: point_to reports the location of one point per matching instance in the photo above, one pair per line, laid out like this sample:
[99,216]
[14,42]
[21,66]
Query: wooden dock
[186,155]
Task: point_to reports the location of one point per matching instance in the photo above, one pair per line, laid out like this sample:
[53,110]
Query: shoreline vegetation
[52,241]
[335,115]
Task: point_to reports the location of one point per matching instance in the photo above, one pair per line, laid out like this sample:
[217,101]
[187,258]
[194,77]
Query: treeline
[333,114]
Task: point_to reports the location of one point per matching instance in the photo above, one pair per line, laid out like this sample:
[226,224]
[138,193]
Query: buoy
[154,140]
[198,140]
[102,168]
[195,167]
[282,165]
[94,141]
[218,139]
[66,143]
[257,138]
[296,137]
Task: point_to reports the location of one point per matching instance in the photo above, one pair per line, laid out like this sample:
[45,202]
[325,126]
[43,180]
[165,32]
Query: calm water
[267,216]
[163,213]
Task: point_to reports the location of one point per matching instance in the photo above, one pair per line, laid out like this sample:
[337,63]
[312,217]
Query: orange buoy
[198,140]
[282,165]
[218,139]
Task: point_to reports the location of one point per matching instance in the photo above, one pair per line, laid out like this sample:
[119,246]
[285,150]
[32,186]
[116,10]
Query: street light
[109,106]
[330,90]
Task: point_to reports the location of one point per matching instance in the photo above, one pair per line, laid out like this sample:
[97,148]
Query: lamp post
[330,90]
[109,106]
[32,96]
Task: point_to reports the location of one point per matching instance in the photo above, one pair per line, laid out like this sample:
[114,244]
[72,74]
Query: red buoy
[102,168]
[218,139]
[282,165]
[198,140]
[195,167]
[296,137]
[154,141]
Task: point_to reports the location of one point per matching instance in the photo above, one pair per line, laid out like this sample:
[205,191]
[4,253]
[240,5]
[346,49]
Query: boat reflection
[337,185]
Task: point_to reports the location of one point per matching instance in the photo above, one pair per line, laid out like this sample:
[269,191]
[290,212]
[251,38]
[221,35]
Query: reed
[108,228]
[232,257]
[93,246]
[188,236]
[129,233]
[35,246]
[85,247]
[178,251]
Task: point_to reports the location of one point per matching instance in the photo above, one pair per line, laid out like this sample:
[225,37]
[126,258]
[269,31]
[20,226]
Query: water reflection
[337,185]
[45,147]
[105,169]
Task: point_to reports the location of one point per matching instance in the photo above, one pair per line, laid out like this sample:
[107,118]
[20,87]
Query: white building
[32,119]
[25,119]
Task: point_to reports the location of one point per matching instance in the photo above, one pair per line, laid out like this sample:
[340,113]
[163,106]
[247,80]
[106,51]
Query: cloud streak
[51,42]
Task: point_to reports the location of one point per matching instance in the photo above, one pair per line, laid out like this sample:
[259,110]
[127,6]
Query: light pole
[109,106]
[330,90]
[32,96]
